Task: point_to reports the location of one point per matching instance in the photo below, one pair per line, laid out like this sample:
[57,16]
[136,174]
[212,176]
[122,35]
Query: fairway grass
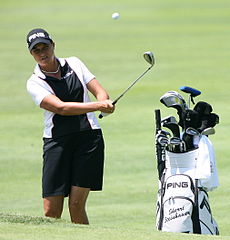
[27,227]
[190,40]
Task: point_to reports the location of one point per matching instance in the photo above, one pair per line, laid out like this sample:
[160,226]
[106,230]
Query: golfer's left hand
[109,109]
[107,106]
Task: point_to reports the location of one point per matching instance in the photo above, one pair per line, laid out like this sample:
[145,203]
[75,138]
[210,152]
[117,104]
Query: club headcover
[192,91]
[203,108]
[190,119]
[209,120]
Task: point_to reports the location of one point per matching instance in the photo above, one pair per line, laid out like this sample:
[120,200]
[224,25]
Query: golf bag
[185,177]
[183,202]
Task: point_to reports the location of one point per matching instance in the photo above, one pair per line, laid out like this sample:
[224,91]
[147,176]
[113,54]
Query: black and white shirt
[70,88]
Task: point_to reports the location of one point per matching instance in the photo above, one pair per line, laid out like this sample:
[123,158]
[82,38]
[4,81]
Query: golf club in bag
[149,57]
[186,165]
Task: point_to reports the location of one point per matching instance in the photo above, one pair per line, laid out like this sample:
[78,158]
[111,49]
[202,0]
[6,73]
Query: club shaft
[126,90]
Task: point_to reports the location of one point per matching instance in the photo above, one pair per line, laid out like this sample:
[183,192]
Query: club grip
[159,150]
[158,119]
[102,114]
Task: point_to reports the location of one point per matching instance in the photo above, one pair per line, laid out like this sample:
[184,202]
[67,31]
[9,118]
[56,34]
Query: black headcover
[209,120]
[206,117]
[203,108]
[190,119]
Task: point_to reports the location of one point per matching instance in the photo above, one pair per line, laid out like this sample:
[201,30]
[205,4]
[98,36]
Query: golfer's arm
[97,90]
[55,105]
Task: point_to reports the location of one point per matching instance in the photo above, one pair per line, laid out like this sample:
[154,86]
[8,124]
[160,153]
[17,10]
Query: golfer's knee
[77,204]
[52,213]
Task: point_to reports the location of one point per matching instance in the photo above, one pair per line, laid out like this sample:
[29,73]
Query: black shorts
[73,160]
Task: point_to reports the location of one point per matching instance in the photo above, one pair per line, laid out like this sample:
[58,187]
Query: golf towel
[206,170]
[199,164]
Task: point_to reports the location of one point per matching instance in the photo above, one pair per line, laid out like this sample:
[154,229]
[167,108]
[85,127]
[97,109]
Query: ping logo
[35,35]
[68,74]
[177,185]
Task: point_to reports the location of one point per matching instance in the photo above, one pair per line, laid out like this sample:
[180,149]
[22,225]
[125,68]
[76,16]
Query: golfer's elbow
[62,110]
[69,109]
[53,104]
[59,108]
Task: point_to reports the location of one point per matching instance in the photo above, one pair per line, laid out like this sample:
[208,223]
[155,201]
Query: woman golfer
[73,150]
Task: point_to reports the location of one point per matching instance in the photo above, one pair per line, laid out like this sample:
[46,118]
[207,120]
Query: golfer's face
[43,53]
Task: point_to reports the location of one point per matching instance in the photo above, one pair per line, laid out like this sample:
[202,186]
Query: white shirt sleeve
[88,76]
[38,89]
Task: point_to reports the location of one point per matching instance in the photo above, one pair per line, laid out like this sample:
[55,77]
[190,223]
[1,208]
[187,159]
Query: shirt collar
[40,74]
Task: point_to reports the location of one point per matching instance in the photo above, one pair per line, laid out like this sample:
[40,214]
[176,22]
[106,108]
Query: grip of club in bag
[160,162]
[158,119]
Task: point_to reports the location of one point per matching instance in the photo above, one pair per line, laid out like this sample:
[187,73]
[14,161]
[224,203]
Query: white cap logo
[36,35]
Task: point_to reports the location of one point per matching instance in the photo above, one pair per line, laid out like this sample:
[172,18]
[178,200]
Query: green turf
[190,40]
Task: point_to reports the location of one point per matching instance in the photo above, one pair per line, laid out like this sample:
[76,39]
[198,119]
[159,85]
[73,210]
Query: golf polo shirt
[70,88]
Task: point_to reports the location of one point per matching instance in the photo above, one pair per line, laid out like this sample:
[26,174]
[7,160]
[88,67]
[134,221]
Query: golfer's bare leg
[77,202]
[53,206]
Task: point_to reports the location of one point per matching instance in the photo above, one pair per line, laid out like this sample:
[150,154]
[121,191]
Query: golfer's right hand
[106,106]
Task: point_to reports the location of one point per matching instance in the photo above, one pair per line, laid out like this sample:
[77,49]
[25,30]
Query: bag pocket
[207,223]
[177,215]
[176,204]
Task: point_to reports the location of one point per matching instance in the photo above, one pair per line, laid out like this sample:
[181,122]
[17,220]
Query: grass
[28,227]
[191,44]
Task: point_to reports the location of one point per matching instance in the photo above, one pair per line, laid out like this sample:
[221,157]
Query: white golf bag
[182,202]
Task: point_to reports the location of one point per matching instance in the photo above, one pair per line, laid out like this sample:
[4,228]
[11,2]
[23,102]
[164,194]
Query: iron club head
[175,141]
[192,131]
[149,57]
[208,131]
[162,140]
[169,119]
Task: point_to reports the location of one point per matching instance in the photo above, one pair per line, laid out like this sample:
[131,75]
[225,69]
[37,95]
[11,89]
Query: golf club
[175,100]
[208,131]
[149,57]
[163,132]
[194,132]
[162,140]
[171,123]
[190,138]
[175,142]
[169,119]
